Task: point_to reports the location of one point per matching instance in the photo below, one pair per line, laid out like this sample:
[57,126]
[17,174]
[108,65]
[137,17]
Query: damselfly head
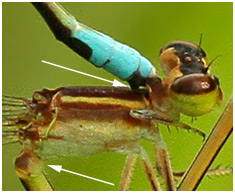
[192,89]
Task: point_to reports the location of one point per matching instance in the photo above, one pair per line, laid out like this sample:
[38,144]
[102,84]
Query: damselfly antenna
[215,58]
[200,43]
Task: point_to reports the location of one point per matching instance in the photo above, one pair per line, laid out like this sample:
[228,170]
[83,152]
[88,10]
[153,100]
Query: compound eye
[195,94]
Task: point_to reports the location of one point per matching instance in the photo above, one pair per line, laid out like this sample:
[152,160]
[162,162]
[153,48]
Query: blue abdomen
[100,49]
[115,57]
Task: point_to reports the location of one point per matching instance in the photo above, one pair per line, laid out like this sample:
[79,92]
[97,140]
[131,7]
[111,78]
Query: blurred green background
[145,26]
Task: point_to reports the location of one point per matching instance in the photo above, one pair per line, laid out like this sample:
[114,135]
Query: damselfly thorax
[88,120]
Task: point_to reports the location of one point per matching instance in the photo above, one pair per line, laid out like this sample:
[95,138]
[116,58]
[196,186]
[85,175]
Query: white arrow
[115,83]
[59,168]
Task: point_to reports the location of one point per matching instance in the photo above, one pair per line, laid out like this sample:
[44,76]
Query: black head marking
[190,56]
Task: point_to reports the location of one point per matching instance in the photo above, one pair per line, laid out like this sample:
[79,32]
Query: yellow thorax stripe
[104,100]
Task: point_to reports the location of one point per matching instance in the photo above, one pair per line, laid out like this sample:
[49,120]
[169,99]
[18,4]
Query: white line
[87,177]
[76,71]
